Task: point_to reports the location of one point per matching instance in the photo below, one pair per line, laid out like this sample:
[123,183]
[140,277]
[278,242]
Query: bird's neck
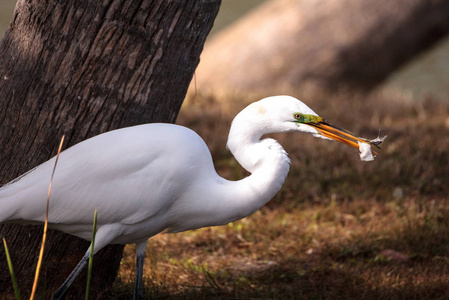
[267,162]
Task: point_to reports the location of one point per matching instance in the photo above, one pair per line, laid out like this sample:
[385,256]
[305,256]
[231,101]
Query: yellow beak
[341,135]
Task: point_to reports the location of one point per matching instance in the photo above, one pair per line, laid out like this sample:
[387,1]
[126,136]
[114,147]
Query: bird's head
[287,114]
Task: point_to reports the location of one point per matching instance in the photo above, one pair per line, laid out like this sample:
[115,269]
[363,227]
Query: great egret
[160,177]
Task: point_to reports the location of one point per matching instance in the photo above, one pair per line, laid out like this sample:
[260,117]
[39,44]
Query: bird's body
[158,177]
[142,179]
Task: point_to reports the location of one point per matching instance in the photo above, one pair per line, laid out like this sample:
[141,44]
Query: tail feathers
[7,207]
[11,205]
[21,201]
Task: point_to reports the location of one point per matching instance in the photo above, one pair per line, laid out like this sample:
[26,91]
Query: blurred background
[424,74]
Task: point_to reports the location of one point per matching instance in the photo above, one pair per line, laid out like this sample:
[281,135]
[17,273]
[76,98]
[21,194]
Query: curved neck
[265,159]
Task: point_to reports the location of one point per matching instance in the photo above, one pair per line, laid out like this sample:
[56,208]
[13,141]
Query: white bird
[152,178]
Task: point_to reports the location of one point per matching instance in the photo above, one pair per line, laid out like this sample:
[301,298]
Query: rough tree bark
[328,44]
[80,68]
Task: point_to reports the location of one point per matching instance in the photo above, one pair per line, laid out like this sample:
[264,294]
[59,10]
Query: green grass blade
[91,258]
[11,271]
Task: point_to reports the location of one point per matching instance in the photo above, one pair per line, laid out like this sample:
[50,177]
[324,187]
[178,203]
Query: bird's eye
[297,115]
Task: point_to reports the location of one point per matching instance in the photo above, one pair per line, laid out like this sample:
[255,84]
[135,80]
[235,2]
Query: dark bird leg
[138,283]
[60,293]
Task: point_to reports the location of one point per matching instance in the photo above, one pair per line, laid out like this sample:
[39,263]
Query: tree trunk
[326,44]
[80,68]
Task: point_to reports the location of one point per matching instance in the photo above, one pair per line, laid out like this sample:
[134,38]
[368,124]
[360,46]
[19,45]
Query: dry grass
[325,234]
